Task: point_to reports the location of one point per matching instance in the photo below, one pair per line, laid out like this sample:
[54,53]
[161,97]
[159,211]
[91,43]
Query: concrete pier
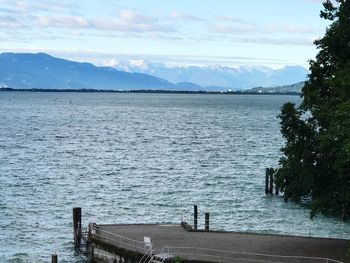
[217,246]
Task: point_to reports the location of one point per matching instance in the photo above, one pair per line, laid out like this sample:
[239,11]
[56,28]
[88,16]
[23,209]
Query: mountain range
[218,77]
[40,70]
[22,70]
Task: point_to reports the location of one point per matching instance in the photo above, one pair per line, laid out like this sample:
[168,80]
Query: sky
[272,33]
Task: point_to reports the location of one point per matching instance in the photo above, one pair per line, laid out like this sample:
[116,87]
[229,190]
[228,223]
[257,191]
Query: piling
[206,223]
[89,235]
[77,226]
[89,232]
[92,254]
[266,183]
[54,258]
[195,217]
[271,184]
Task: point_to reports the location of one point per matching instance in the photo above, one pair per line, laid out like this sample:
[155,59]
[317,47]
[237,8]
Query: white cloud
[235,28]
[110,63]
[39,5]
[232,29]
[179,16]
[129,16]
[275,41]
[235,20]
[231,25]
[8,21]
[125,21]
[128,20]
[289,29]
[25,14]
[63,21]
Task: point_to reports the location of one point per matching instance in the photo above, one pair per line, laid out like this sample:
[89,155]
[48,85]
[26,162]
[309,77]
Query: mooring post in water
[88,237]
[53,258]
[271,183]
[266,183]
[89,232]
[206,223]
[195,217]
[77,226]
[92,255]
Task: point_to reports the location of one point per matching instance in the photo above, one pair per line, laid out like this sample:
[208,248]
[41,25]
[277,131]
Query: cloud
[232,29]
[63,21]
[128,20]
[178,16]
[129,16]
[110,63]
[125,21]
[8,21]
[289,29]
[258,39]
[30,14]
[37,6]
[235,20]
[241,27]
[34,19]
[103,58]
[7,10]
[233,25]
[275,41]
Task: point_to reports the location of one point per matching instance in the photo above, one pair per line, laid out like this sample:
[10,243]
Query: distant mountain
[22,70]
[218,77]
[188,86]
[294,88]
[42,71]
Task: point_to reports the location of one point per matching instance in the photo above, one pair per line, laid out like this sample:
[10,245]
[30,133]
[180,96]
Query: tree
[315,167]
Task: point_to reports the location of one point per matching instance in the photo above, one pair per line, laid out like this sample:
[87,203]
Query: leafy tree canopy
[315,167]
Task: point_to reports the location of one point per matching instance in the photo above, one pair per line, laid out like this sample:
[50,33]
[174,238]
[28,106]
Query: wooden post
[266,183]
[195,215]
[54,258]
[271,184]
[206,221]
[92,254]
[77,226]
[89,232]
[89,235]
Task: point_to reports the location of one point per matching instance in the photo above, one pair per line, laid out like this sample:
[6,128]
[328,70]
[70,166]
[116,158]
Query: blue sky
[271,33]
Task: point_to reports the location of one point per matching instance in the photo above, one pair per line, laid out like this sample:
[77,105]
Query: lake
[141,158]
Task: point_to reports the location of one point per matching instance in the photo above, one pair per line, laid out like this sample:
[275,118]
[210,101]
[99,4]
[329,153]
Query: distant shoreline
[152,91]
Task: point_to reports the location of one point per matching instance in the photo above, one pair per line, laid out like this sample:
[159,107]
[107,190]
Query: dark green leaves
[316,158]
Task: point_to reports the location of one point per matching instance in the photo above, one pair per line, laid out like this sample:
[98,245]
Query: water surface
[139,158]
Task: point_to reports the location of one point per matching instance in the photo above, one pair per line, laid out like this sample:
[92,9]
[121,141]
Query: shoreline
[149,91]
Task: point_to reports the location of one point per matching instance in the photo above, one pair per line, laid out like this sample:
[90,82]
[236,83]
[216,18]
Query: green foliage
[315,166]
[347,254]
[178,259]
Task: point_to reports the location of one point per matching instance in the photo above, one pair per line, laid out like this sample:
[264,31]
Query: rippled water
[138,158]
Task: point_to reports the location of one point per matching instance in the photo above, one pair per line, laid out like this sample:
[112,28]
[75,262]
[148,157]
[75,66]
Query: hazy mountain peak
[40,70]
[241,77]
[140,63]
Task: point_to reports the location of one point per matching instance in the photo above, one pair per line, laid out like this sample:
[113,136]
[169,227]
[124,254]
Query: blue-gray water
[138,158]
